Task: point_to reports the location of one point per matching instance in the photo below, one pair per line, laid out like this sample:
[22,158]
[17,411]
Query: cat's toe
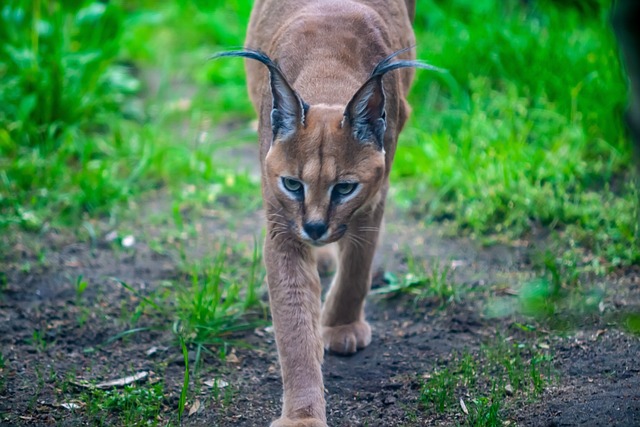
[346,339]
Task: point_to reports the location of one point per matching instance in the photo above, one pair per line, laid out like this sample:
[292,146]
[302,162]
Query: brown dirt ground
[597,384]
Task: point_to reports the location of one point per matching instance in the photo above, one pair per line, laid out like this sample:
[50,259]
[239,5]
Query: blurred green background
[105,103]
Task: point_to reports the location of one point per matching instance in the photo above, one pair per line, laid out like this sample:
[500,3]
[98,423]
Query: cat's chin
[318,243]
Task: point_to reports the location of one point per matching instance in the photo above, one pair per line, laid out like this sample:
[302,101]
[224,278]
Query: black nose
[315,230]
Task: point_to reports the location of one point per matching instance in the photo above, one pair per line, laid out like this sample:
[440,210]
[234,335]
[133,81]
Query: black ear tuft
[288,109]
[365,112]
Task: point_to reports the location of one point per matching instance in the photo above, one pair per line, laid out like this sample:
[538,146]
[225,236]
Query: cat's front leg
[294,295]
[344,328]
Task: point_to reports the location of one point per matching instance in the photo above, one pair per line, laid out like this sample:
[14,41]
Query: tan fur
[326,49]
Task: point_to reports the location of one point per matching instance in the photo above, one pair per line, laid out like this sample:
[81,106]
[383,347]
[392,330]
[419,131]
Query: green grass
[211,301]
[137,405]
[527,135]
[488,382]
[534,136]
[76,138]
[433,283]
[104,106]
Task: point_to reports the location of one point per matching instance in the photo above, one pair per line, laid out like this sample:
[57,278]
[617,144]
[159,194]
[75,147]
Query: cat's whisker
[356,242]
[361,239]
[274,236]
[279,223]
[277,208]
[369,229]
[275,214]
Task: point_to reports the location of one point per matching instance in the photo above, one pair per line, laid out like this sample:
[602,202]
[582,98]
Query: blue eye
[345,188]
[292,185]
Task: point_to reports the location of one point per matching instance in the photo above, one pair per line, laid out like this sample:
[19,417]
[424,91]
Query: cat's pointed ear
[288,109]
[365,113]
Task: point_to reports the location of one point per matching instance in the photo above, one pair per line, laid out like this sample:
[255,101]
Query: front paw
[346,339]
[304,422]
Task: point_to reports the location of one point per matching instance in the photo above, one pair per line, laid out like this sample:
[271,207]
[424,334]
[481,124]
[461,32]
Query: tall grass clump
[208,305]
[531,134]
[60,90]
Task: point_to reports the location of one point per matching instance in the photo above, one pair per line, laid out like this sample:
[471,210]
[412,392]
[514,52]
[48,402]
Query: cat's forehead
[325,136]
[323,150]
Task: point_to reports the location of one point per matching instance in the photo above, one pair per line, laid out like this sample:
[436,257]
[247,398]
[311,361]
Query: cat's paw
[304,422]
[346,339]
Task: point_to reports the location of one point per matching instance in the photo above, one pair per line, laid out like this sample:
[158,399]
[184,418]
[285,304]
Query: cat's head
[325,162]
[320,175]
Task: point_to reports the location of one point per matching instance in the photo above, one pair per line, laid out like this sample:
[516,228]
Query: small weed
[81,286]
[484,411]
[133,405]
[222,393]
[218,298]
[83,310]
[486,381]
[558,295]
[438,391]
[631,322]
[185,383]
[437,283]
[38,340]
[4,282]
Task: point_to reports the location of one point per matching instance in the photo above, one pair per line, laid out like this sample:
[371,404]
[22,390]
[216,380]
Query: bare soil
[597,381]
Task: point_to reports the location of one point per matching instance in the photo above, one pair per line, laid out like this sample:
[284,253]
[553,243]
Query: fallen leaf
[195,407]
[457,263]
[508,389]
[464,407]
[72,263]
[216,383]
[232,358]
[120,382]
[128,241]
[72,405]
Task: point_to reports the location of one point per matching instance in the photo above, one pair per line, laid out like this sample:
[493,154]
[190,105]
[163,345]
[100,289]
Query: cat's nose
[315,230]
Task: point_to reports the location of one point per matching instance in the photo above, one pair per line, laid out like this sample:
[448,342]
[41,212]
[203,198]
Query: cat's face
[320,176]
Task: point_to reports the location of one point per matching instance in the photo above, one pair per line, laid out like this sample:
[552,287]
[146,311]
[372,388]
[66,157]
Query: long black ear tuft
[365,112]
[288,109]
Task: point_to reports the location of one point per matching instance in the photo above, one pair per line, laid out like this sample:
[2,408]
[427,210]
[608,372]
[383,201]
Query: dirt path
[51,337]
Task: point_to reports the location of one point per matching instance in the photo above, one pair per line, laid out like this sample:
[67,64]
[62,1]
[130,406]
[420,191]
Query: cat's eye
[292,185]
[344,188]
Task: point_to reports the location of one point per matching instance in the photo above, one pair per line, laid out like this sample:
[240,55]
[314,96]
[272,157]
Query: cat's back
[271,17]
[295,32]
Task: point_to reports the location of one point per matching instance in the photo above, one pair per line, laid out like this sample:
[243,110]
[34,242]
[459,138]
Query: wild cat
[329,113]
